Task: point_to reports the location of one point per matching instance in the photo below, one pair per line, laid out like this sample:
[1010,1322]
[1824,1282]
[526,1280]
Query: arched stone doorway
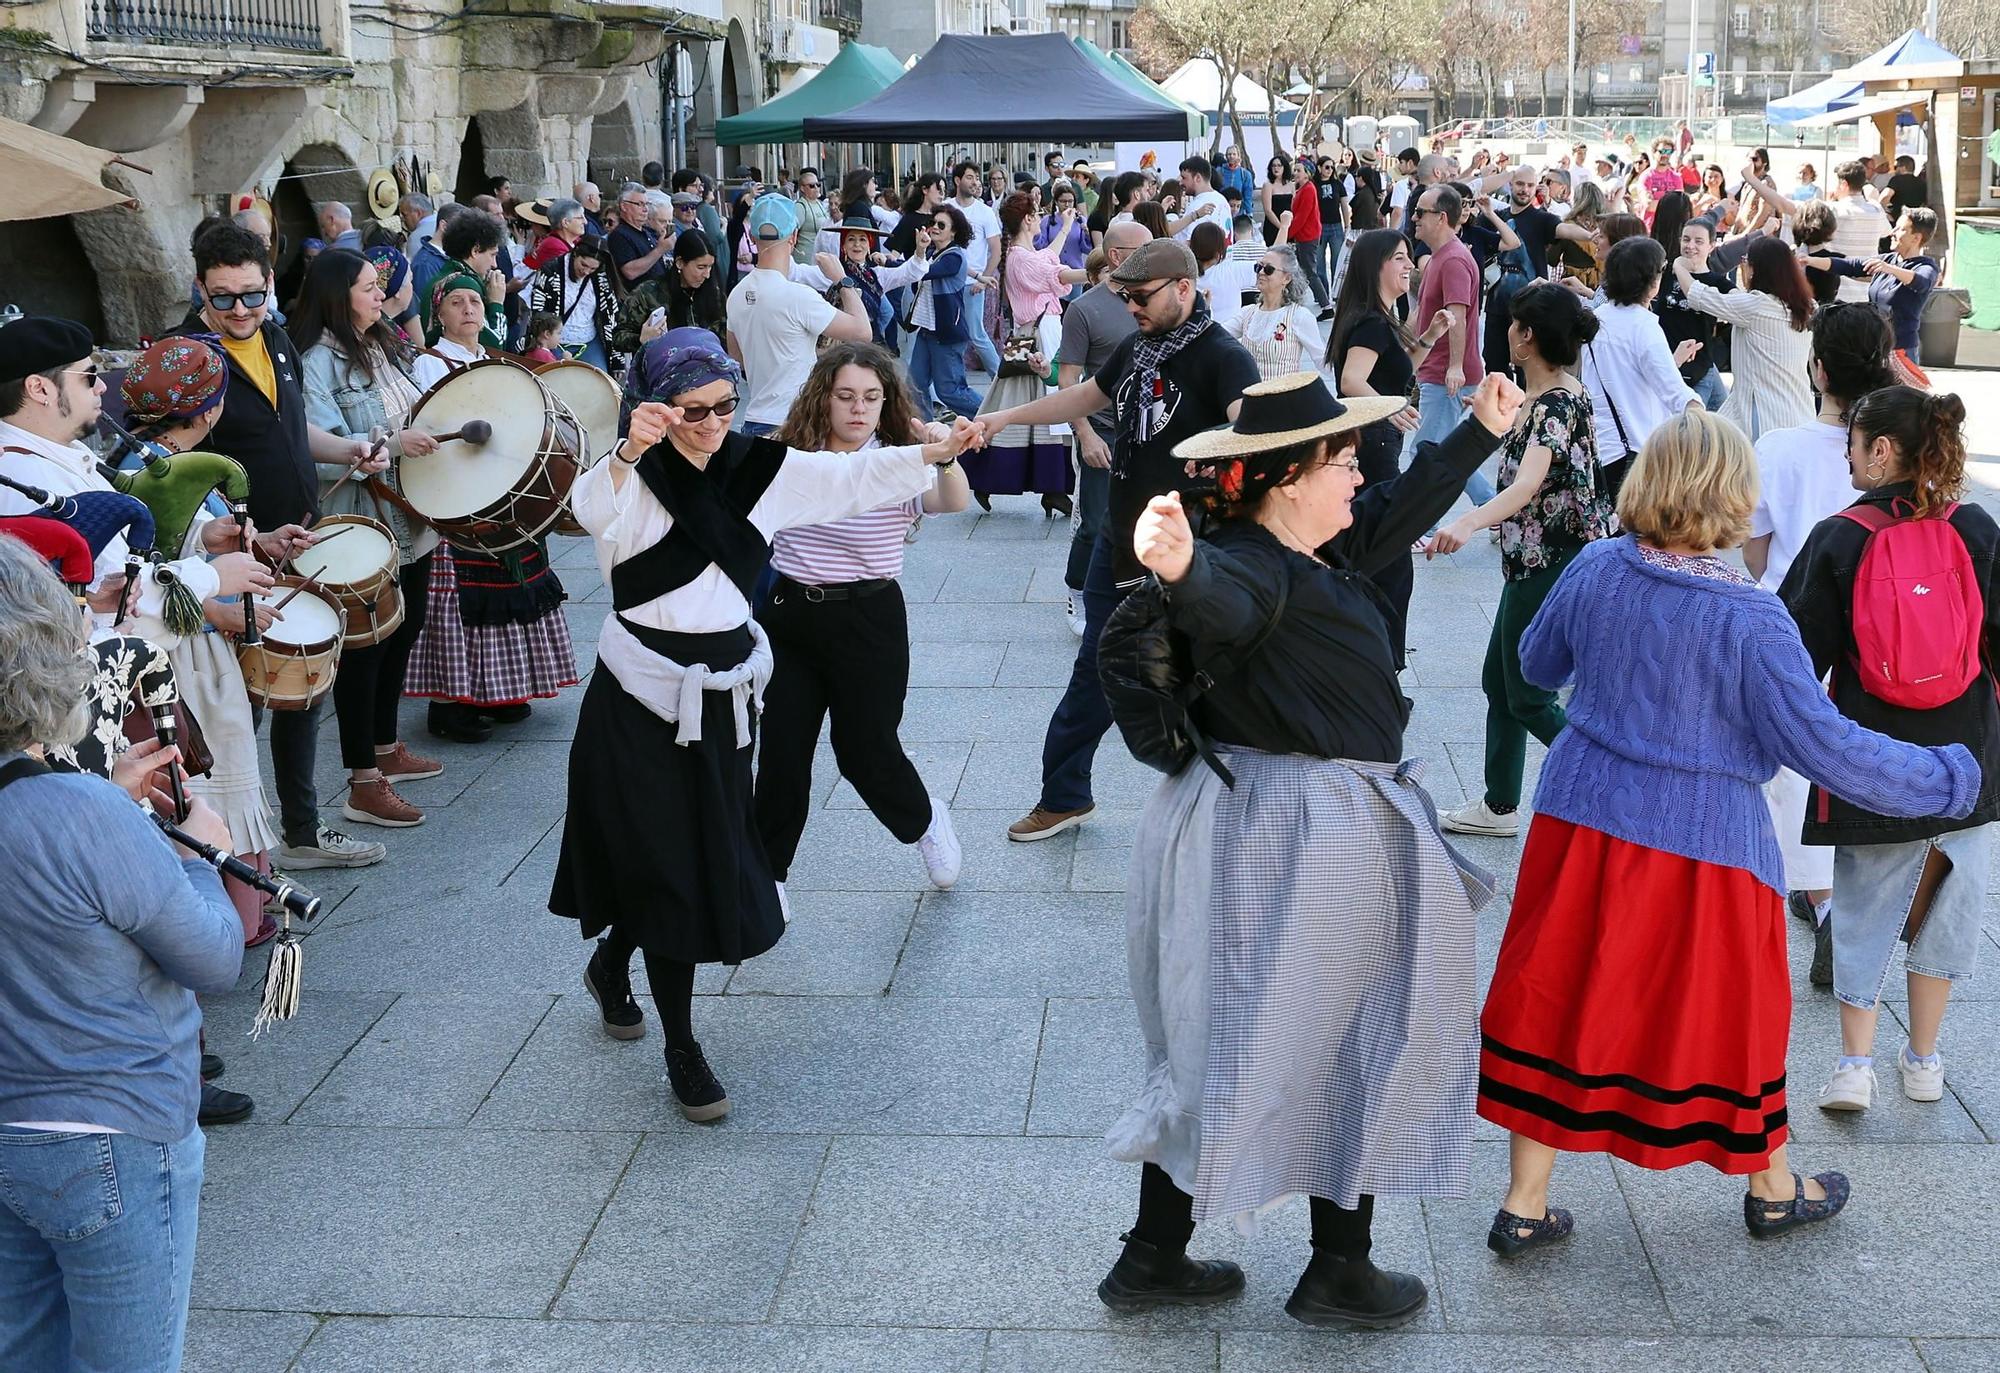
[614,148]
[510,145]
[742,89]
[63,282]
[316,173]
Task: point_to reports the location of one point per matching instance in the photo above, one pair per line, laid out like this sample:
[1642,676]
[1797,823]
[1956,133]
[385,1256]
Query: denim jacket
[341,400]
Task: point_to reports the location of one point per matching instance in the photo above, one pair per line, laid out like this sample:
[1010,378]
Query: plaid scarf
[1148,355]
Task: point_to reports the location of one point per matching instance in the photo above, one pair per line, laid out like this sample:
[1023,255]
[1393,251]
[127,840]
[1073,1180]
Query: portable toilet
[1398,131]
[1361,131]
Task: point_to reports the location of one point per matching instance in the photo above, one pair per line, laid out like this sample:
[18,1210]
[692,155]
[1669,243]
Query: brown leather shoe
[376,803]
[404,766]
[1042,823]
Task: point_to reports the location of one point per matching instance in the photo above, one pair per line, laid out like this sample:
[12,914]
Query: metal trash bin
[1944,310]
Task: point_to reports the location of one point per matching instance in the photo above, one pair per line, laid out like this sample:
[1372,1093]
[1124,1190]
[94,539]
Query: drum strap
[711,512]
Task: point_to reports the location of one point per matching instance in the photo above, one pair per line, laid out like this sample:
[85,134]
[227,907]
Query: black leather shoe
[701,1096]
[1056,503]
[1355,1292]
[1147,1275]
[220,1106]
[507,715]
[985,501]
[611,989]
[460,724]
[211,1067]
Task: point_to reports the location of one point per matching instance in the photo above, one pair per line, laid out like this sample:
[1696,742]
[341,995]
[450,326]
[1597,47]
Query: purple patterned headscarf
[679,361]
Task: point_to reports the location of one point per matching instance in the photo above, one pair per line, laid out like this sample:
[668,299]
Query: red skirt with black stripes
[1641,1006]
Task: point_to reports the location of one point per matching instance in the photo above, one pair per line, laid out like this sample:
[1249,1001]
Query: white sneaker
[1074,612]
[1849,1089]
[331,849]
[943,856]
[1921,1082]
[784,906]
[1477,819]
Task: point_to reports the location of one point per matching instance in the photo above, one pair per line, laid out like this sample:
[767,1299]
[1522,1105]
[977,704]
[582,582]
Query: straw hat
[383,193]
[533,212]
[1284,411]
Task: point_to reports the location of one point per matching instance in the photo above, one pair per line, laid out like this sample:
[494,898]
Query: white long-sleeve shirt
[1767,357]
[810,488]
[1630,365]
[68,469]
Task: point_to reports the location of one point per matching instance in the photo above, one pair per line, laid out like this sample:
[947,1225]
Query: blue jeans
[975,334]
[1711,390]
[591,352]
[1312,261]
[1093,493]
[1083,715]
[1873,886]
[940,367]
[96,1250]
[757,429]
[1437,415]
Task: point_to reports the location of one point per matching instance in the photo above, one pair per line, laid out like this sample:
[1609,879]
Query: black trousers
[1166,1219]
[368,689]
[848,659]
[294,747]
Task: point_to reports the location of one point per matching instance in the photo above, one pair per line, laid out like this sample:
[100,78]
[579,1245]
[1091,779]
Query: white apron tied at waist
[673,690]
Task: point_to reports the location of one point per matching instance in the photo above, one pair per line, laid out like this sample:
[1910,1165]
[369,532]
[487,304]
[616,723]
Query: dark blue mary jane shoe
[1768,1218]
[1506,1239]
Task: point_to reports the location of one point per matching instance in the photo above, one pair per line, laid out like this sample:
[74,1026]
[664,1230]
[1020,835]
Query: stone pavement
[451,1168]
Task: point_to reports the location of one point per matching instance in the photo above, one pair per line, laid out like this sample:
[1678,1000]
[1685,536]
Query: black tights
[671,982]
[1166,1219]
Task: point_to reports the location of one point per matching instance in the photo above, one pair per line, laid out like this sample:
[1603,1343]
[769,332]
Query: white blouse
[810,488]
[1285,340]
[1768,388]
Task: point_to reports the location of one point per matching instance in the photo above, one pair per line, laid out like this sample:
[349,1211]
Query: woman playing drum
[659,846]
[357,380]
[494,637]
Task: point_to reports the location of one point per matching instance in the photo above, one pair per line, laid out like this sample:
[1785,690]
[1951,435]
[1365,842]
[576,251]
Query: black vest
[271,444]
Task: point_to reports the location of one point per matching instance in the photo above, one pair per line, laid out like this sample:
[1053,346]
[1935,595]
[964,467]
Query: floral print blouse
[1570,509]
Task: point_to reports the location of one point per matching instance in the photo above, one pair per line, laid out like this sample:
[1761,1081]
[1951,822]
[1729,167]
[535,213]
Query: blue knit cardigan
[1689,694]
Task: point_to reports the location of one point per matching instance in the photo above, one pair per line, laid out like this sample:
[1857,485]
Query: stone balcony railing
[286,25]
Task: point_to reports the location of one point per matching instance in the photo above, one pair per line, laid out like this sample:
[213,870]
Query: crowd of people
[1258,400]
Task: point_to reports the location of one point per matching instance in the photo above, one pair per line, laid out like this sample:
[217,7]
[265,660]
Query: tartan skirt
[1641,1006]
[1301,953]
[487,664]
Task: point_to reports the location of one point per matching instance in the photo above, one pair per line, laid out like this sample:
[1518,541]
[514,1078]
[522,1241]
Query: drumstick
[474,432]
[375,440]
[309,584]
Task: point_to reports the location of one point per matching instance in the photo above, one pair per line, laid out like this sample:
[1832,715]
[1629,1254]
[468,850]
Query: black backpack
[1150,679]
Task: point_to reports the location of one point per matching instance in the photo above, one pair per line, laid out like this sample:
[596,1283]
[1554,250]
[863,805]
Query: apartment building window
[1739,21]
[1768,22]
[1118,33]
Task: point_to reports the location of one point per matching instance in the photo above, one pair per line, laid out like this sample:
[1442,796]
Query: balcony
[797,44]
[286,25]
[842,16]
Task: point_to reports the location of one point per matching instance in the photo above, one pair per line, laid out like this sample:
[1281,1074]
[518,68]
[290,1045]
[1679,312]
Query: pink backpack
[1918,612]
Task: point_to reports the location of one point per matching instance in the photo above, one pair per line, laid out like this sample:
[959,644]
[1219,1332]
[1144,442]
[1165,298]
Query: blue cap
[773,217]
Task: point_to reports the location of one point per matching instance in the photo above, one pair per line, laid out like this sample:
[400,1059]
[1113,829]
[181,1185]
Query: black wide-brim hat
[1284,411]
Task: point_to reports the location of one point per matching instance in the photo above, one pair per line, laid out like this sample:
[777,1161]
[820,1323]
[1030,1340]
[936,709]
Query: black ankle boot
[460,724]
[1146,1275]
[701,1097]
[1336,1291]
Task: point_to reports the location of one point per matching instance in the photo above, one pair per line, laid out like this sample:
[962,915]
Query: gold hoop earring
[1873,471]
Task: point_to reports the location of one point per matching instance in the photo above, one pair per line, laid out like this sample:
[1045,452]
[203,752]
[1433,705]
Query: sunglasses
[91,376]
[249,300]
[943,227]
[1141,298]
[695,414]
[1265,269]
[1419,211]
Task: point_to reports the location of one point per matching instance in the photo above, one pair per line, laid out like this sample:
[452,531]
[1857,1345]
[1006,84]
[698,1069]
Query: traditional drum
[507,491]
[593,399]
[293,666]
[357,571]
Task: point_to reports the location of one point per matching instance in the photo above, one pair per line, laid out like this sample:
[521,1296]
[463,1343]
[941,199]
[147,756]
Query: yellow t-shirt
[255,360]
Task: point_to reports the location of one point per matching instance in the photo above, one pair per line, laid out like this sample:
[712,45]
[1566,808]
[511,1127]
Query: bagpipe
[174,486]
[100,517]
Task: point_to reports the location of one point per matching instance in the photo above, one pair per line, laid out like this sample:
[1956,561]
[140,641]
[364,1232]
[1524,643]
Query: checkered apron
[1302,956]
[485,665]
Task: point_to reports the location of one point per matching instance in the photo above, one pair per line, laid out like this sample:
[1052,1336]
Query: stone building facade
[300,101]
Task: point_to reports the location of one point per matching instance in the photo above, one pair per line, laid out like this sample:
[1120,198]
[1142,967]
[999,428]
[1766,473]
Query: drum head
[363,549]
[461,479]
[592,397]
[309,619]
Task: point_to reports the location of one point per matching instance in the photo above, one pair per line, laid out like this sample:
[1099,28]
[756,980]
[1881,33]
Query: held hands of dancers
[964,434]
[1496,404]
[1163,539]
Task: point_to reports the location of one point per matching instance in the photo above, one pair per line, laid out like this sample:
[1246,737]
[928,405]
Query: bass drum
[595,402]
[509,491]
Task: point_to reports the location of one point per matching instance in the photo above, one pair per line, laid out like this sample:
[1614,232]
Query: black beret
[40,343]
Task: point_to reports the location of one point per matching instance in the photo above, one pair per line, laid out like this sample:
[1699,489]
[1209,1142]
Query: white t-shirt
[1219,214]
[1399,194]
[579,303]
[777,323]
[1858,228]
[1226,283]
[985,225]
[1803,478]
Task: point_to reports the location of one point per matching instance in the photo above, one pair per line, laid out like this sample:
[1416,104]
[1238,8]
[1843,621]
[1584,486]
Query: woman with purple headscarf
[660,850]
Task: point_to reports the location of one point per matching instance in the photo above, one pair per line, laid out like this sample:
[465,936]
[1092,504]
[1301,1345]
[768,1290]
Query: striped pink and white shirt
[859,548]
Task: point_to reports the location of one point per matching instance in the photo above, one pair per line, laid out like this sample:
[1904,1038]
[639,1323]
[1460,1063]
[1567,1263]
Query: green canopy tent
[858,72]
[1197,122]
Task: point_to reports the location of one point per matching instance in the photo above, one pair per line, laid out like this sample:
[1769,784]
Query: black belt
[836,591]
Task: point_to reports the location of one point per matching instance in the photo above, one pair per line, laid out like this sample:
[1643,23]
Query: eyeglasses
[1141,298]
[229,300]
[1352,465]
[695,414]
[1265,269]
